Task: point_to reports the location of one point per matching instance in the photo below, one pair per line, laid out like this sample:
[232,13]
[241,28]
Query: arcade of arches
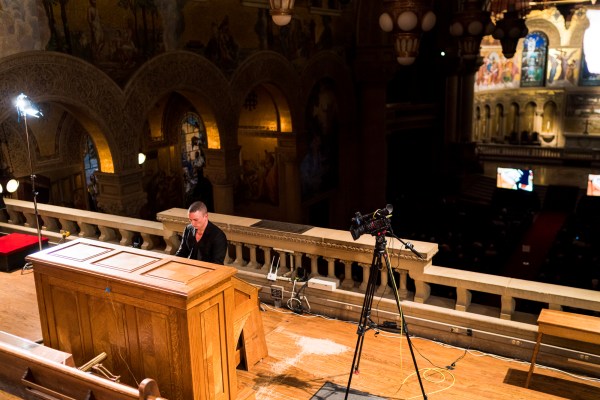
[280,123]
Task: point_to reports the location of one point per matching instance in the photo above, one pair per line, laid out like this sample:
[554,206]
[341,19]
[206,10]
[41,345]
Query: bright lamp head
[26,107]
[12,185]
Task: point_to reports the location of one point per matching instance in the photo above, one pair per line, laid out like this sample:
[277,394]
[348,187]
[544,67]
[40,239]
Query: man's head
[198,215]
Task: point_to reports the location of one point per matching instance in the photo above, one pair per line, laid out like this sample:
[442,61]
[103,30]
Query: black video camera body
[373,224]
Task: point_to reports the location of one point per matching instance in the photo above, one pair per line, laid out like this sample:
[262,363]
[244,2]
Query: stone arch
[192,76]
[270,76]
[274,72]
[80,88]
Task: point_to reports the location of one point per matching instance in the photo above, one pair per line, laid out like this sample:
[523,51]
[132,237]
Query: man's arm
[219,248]
[184,248]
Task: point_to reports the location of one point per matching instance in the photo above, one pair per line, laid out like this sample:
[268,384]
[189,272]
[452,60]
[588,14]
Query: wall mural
[535,47]
[563,67]
[497,71]
[119,35]
[319,166]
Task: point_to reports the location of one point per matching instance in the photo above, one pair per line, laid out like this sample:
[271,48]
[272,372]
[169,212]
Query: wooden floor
[305,352]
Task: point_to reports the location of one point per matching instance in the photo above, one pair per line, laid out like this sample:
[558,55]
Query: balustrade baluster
[15,217]
[126,237]
[106,234]
[422,291]
[68,225]
[463,299]
[384,281]
[402,289]
[148,241]
[50,223]
[298,261]
[283,265]
[267,253]
[330,266]
[172,242]
[366,275]
[508,307]
[348,282]
[239,258]
[87,230]
[30,220]
[252,263]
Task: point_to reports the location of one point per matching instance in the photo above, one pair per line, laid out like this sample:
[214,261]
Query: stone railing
[56,222]
[491,150]
[326,253]
[340,265]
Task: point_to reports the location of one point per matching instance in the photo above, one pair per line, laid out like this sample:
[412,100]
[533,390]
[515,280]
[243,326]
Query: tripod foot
[356,372]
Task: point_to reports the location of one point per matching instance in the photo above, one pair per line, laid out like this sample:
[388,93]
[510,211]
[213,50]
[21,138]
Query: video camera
[373,224]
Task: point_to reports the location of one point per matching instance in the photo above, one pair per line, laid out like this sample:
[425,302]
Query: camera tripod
[366,322]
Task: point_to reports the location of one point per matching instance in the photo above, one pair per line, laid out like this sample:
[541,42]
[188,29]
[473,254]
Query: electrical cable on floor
[468,350]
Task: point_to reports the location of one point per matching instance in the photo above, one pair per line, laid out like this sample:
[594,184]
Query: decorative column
[289,192]
[223,169]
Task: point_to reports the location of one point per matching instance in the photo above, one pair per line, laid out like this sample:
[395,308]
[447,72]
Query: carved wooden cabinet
[154,315]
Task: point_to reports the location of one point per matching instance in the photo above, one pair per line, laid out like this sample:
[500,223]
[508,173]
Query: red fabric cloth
[17,241]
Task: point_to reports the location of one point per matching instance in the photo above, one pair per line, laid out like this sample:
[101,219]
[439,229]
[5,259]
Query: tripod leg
[404,326]
[365,317]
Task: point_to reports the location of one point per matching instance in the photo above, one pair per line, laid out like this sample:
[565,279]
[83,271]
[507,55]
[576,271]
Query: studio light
[25,107]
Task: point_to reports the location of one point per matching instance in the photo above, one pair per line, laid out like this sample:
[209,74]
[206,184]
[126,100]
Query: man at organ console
[202,240]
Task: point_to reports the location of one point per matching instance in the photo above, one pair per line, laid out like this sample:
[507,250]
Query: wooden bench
[32,371]
[567,325]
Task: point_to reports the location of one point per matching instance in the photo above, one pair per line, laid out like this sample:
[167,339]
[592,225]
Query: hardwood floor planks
[307,351]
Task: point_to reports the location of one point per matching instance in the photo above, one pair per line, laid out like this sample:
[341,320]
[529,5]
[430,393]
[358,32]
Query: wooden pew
[39,372]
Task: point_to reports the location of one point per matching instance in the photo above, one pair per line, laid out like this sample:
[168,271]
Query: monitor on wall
[593,185]
[515,179]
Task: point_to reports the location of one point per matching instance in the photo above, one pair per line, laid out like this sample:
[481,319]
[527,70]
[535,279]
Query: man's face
[198,219]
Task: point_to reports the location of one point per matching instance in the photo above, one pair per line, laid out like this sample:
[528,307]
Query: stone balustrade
[326,253]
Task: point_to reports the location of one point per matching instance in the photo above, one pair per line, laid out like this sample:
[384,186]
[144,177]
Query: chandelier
[406,20]
[281,11]
[510,23]
[469,25]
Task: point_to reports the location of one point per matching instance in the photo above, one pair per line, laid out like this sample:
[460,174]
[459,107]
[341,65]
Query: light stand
[25,107]
[366,323]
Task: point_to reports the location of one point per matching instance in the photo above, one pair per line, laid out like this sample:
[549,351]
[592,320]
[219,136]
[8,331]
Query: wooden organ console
[186,324]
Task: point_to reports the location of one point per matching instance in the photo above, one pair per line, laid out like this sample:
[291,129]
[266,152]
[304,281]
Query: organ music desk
[186,324]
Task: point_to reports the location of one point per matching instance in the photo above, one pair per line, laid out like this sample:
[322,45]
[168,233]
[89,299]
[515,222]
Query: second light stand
[366,323]
[33,191]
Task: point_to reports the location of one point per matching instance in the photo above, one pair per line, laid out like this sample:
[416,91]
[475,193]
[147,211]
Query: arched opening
[264,120]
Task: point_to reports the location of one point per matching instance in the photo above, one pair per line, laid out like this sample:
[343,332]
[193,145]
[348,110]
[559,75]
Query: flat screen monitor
[515,179]
[593,186]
